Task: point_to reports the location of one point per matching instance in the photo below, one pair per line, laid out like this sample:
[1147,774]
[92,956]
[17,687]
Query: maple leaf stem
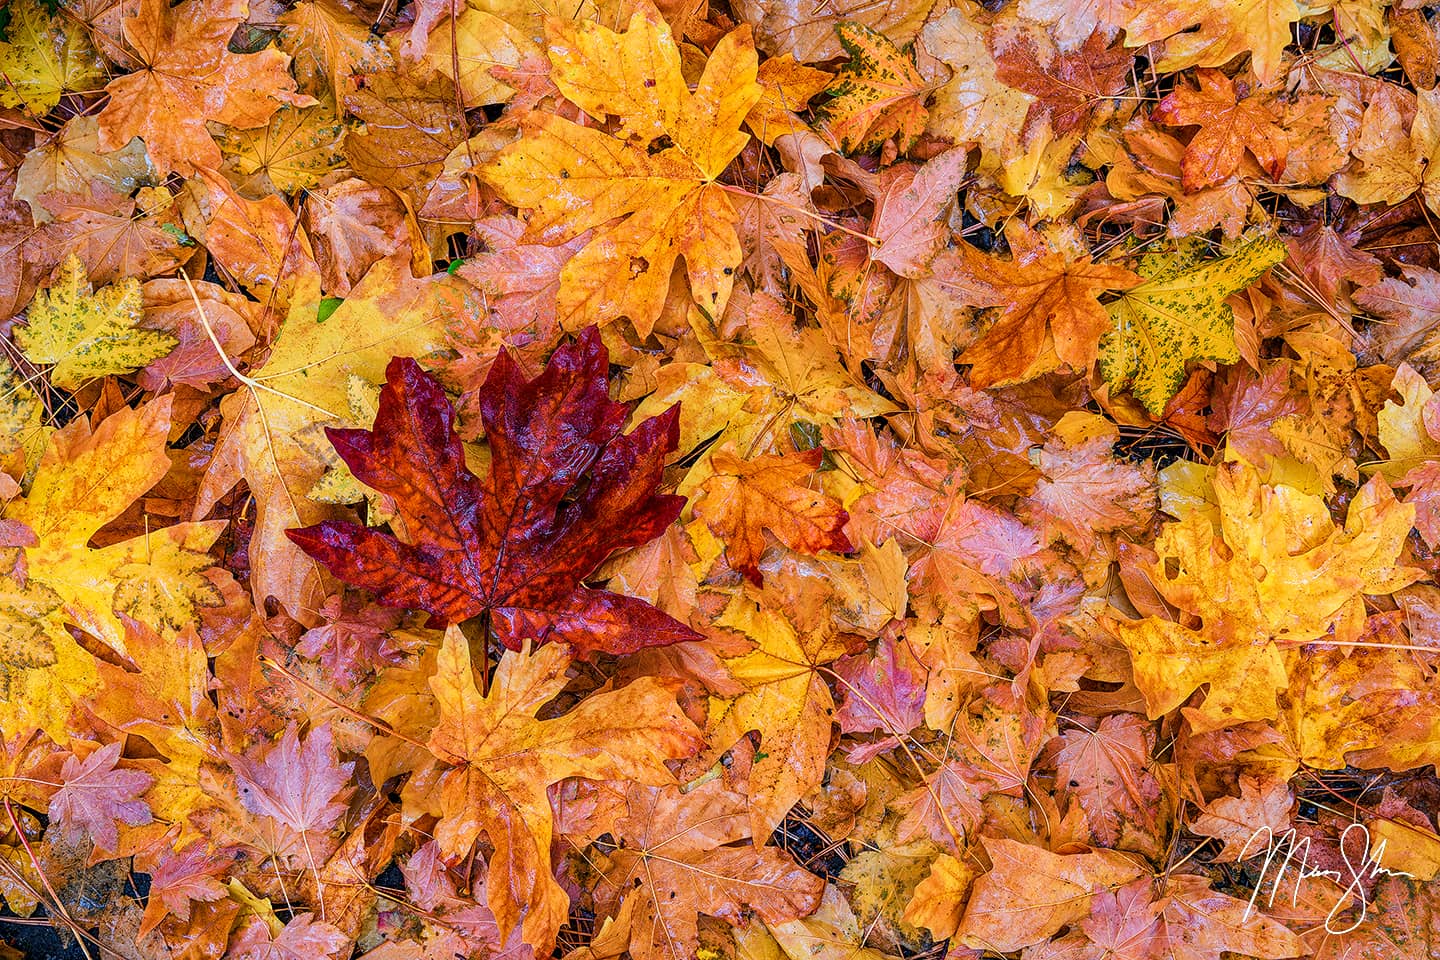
[43,783]
[250,382]
[1342,321]
[486,635]
[1418,648]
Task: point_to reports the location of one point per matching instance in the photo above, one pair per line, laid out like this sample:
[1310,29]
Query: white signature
[1291,851]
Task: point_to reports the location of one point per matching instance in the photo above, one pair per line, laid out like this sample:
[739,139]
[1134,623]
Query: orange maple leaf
[747,497]
[1230,122]
[877,95]
[503,759]
[648,191]
[1047,298]
[187,76]
[681,855]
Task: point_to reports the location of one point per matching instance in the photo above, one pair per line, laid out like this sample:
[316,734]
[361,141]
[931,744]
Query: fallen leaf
[303,938]
[744,498]
[877,95]
[187,76]
[787,700]
[908,213]
[85,333]
[270,436]
[86,479]
[1279,572]
[301,787]
[95,794]
[791,26]
[179,879]
[44,57]
[1261,806]
[669,150]
[293,152]
[505,546]
[1178,315]
[502,760]
[1029,894]
[1046,297]
[1230,123]
[684,854]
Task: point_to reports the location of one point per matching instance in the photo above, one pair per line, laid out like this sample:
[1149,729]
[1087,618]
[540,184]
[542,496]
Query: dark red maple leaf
[566,488]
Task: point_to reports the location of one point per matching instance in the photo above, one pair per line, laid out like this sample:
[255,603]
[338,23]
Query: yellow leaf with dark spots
[1178,315]
[44,57]
[878,95]
[88,333]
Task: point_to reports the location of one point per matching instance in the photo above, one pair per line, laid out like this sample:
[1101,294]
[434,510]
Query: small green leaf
[181,237]
[328,306]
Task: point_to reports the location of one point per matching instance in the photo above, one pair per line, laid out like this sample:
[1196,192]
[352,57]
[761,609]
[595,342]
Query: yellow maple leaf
[42,668]
[293,152]
[1402,426]
[85,480]
[786,700]
[1366,707]
[88,333]
[272,435]
[971,104]
[1179,315]
[788,378]
[71,161]
[1227,29]
[44,57]
[648,192]
[1279,572]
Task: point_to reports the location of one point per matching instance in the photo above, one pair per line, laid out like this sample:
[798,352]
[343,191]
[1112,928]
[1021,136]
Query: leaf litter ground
[712,480]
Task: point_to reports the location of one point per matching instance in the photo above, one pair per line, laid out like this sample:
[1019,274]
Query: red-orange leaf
[747,497]
[187,76]
[1229,124]
[1049,305]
